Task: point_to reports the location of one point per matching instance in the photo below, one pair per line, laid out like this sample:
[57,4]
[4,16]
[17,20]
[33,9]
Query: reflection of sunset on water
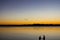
[31,30]
[32,33]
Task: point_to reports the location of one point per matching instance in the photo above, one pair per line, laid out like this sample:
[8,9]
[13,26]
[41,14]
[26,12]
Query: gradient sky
[29,11]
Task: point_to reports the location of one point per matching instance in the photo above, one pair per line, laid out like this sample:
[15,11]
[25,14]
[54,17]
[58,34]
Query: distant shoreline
[32,25]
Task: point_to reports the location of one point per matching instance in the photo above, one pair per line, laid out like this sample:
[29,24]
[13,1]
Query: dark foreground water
[29,33]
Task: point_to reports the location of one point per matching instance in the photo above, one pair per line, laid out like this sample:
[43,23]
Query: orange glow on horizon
[30,22]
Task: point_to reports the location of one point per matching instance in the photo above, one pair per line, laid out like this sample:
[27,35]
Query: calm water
[29,33]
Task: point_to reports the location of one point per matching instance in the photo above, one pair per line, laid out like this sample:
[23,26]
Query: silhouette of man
[39,37]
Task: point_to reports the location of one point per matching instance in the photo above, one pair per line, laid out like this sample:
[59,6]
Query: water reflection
[29,33]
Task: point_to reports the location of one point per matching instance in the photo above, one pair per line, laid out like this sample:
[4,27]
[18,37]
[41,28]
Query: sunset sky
[29,11]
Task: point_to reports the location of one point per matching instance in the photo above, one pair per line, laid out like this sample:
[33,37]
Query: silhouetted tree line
[33,25]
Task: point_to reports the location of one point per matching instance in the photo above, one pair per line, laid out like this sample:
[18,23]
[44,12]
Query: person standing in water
[42,38]
[39,37]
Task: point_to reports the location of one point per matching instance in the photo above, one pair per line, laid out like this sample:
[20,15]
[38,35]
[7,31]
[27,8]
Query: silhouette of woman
[43,37]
